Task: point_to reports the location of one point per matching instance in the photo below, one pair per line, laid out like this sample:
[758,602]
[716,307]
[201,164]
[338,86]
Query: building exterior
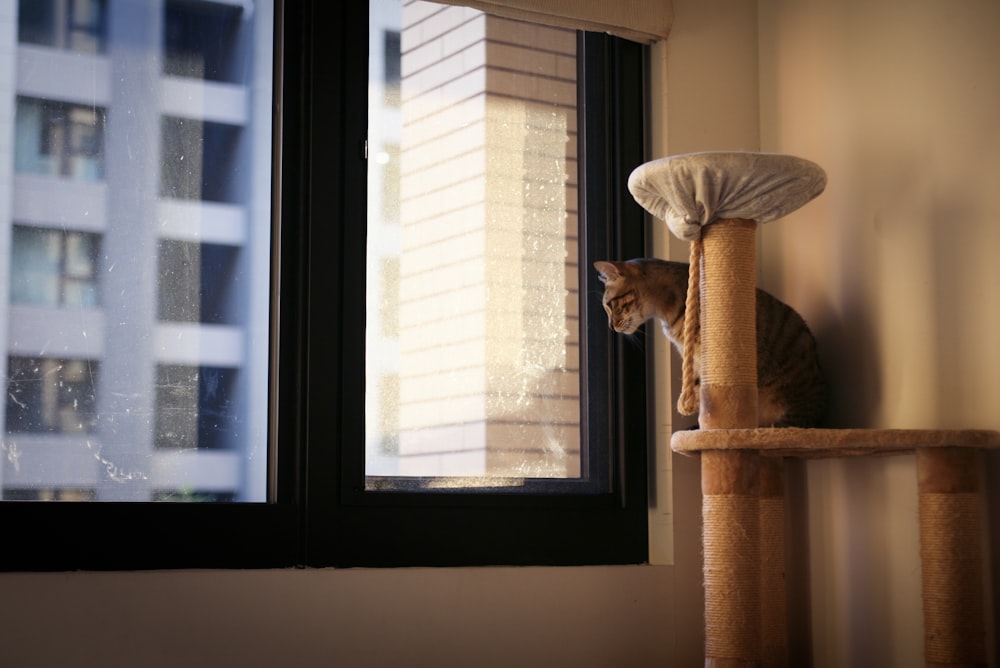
[135,209]
[473,323]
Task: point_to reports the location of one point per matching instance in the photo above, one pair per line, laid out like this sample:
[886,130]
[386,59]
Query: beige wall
[406,618]
[893,267]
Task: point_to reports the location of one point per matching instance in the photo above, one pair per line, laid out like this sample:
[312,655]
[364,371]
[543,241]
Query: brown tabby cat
[791,387]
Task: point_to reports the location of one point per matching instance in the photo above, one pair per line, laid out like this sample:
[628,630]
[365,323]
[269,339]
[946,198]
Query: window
[193,496]
[59,139]
[324,506]
[194,407]
[202,40]
[199,160]
[76,25]
[147,259]
[51,395]
[202,282]
[53,267]
[594,513]
[482,379]
[391,55]
[49,494]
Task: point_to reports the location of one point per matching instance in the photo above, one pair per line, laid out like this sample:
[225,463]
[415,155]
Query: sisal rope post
[774,605]
[728,326]
[730,479]
[951,557]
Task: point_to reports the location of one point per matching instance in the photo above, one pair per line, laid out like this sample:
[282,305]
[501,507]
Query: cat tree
[716,201]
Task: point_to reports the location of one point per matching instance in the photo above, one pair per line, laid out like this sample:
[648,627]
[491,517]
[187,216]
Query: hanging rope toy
[687,402]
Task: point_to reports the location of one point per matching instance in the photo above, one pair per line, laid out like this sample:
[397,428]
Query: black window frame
[320,515]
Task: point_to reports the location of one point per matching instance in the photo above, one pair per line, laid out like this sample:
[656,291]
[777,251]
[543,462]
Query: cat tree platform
[715,201]
[826,443]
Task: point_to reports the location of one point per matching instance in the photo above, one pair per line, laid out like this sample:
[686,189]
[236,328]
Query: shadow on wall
[848,354]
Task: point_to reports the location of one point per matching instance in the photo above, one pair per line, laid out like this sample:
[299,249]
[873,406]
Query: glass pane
[473,328]
[77,25]
[46,394]
[136,248]
[53,267]
[54,138]
[35,266]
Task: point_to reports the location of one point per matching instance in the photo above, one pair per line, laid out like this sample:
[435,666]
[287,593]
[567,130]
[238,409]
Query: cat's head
[621,300]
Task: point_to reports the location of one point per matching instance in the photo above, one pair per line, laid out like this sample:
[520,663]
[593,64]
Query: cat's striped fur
[791,387]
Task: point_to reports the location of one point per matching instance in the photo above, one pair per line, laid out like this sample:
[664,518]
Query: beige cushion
[693,190]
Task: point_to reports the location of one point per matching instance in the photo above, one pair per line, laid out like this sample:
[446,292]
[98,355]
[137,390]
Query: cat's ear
[608,271]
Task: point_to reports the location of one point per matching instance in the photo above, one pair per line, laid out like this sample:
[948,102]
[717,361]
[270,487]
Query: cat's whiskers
[637,338]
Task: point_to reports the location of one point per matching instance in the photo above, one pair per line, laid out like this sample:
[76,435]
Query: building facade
[473,316]
[135,209]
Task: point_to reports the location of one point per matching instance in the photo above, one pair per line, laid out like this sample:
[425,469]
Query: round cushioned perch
[690,191]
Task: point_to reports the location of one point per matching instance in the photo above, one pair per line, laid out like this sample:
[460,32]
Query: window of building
[51,267]
[47,394]
[193,496]
[386,169]
[59,139]
[198,282]
[202,40]
[49,494]
[391,60]
[195,408]
[199,160]
[76,25]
